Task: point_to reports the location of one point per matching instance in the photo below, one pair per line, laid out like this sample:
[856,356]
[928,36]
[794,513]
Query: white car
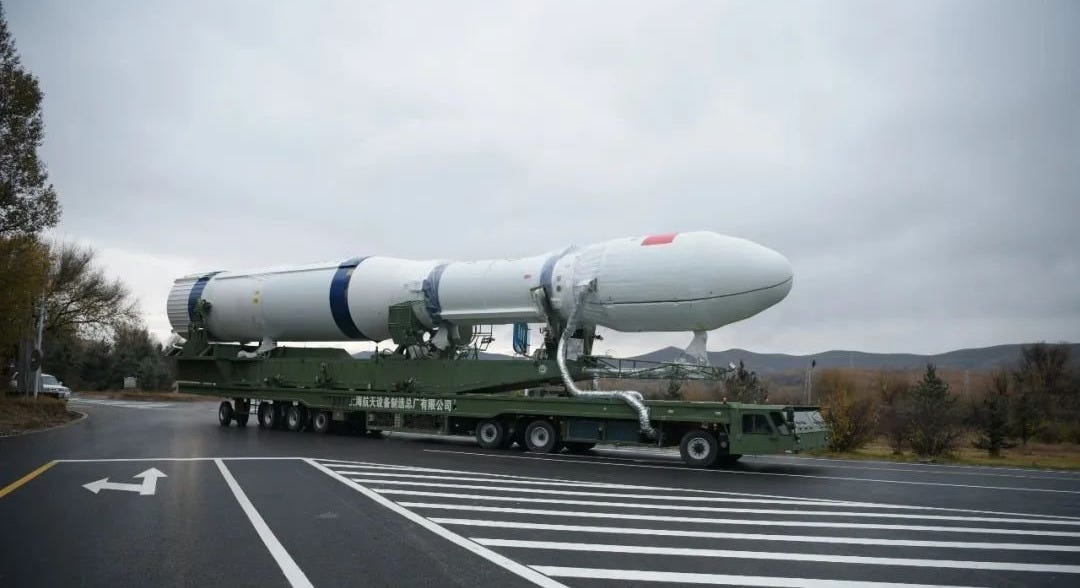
[50,386]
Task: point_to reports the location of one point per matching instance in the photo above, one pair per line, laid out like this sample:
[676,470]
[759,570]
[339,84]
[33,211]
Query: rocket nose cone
[777,275]
[747,267]
[750,276]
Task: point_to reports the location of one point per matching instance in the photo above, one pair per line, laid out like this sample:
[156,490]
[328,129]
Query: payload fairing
[694,281]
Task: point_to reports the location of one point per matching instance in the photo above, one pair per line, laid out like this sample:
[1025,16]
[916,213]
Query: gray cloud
[919,164]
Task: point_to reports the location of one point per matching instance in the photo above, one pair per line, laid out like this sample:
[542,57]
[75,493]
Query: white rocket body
[695,281]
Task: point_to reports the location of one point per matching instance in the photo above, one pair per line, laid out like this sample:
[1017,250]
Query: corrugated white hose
[630,397]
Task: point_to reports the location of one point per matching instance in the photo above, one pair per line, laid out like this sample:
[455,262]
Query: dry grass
[139,395]
[19,414]
[1060,456]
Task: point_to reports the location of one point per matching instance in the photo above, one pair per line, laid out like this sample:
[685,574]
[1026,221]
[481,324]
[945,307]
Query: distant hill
[981,359]
[483,355]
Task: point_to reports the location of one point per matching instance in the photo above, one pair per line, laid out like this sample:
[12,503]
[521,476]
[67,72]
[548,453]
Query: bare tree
[851,416]
[1044,388]
[80,298]
[894,390]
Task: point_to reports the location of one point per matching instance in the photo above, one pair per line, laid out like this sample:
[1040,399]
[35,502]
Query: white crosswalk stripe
[610,533]
[137,404]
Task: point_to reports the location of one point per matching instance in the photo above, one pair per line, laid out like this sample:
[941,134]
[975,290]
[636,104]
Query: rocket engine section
[696,281]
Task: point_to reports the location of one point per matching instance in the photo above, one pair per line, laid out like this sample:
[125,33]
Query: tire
[699,449]
[225,413]
[541,436]
[491,434]
[320,423]
[267,416]
[579,446]
[295,417]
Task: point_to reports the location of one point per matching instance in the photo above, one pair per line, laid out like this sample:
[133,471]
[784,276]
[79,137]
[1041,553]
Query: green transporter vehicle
[533,402]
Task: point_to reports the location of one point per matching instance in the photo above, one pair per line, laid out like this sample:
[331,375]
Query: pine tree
[27,199]
[993,416]
[744,386]
[931,416]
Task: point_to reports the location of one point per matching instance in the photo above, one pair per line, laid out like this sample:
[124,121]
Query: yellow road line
[15,485]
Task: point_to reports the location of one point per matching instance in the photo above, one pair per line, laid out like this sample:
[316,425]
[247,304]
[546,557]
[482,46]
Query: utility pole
[37,354]
[29,360]
[808,384]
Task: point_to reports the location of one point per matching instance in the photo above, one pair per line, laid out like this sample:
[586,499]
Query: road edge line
[17,483]
[502,561]
[288,566]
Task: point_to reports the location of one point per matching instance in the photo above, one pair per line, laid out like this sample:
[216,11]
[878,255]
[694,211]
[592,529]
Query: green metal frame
[451,395]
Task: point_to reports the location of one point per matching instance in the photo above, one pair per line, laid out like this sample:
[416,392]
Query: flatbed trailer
[496,401]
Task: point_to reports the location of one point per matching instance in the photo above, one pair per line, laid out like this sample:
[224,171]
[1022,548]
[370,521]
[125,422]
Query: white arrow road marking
[147,488]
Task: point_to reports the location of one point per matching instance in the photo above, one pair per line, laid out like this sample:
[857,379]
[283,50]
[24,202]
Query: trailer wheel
[320,423]
[542,437]
[491,434]
[295,417]
[225,413]
[699,449]
[267,416]
[579,446]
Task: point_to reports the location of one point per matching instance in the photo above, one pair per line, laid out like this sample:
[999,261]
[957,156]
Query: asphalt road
[158,494]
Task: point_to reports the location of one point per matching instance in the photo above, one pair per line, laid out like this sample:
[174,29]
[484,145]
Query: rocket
[691,281]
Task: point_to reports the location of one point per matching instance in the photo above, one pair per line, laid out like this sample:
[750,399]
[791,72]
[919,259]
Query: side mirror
[790,414]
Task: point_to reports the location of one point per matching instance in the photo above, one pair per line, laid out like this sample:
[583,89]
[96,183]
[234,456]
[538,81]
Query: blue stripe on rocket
[431,291]
[549,268]
[339,299]
[196,293]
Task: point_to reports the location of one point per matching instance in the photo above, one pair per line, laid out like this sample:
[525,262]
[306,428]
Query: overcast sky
[918,162]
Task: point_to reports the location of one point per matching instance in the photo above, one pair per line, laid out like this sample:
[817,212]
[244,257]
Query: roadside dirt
[19,414]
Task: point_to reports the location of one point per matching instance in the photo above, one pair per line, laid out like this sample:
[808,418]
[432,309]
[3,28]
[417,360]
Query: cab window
[756,424]
[779,422]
